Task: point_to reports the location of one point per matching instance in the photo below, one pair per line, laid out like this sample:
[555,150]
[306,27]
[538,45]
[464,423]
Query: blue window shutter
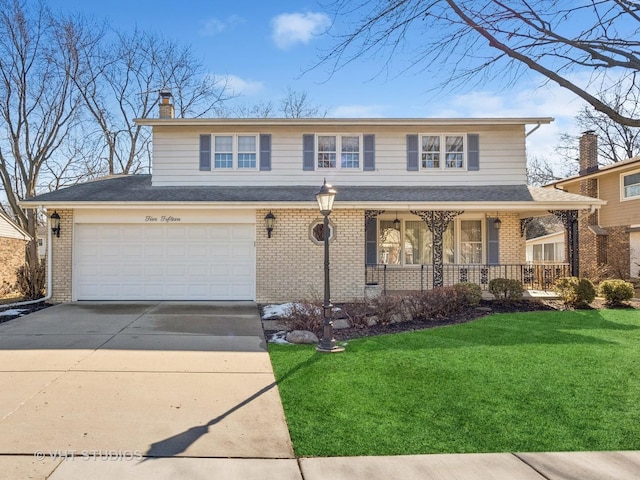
[308,152]
[412,153]
[265,152]
[371,242]
[205,152]
[369,152]
[493,243]
[473,151]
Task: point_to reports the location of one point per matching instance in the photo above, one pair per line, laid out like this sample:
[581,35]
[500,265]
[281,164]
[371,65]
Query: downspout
[49,276]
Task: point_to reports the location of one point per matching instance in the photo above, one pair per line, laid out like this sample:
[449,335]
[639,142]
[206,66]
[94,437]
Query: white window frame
[339,166]
[443,152]
[235,152]
[457,238]
[623,196]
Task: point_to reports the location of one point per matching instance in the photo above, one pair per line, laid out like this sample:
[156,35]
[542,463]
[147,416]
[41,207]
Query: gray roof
[138,188]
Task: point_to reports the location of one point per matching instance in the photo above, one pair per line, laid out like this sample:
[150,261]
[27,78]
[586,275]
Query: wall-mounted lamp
[497,223]
[269,220]
[55,223]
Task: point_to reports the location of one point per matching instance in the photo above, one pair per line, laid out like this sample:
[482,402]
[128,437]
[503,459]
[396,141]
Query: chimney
[166,104]
[588,152]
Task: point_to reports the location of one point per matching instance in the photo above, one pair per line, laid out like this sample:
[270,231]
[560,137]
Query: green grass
[552,381]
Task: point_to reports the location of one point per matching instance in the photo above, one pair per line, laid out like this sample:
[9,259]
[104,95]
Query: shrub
[30,280]
[304,315]
[505,289]
[468,294]
[574,291]
[616,292]
[388,308]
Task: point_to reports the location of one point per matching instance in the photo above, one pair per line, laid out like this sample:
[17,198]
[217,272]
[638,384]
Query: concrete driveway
[94,390]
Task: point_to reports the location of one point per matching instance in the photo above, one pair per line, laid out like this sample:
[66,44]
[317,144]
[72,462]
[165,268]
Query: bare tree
[552,38]
[38,105]
[298,105]
[540,172]
[293,105]
[120,77]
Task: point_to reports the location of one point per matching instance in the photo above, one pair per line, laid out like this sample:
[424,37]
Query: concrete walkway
[151,390]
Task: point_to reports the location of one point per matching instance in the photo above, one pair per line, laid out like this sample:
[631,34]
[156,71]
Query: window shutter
[473,151]
[493,243]
[412,153]
[369,152]
[265,152]
[308,152]
[371,242]
[205,152]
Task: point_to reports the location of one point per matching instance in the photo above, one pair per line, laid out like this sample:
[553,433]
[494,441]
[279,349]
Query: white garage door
[164,262]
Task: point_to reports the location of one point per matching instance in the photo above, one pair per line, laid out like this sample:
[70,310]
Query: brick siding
[61,250]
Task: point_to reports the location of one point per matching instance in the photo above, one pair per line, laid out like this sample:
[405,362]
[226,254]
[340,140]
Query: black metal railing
[420,277]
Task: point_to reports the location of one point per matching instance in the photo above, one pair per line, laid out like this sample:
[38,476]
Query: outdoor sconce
[497,223]
[396,222]
[55,223]
[269,220]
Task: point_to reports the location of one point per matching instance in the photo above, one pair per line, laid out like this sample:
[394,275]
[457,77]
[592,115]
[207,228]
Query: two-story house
[609,236]
[425,201]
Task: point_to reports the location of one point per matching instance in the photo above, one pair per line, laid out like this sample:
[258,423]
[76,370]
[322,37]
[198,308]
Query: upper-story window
[234,151]
[345,148]
[442,151]
[631,186]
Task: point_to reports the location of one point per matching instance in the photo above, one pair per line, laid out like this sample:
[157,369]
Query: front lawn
[537,381]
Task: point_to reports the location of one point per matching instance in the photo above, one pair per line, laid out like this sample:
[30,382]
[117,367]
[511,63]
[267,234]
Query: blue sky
[264,48]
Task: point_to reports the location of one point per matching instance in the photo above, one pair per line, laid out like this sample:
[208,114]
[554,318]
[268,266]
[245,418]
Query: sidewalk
[491,466]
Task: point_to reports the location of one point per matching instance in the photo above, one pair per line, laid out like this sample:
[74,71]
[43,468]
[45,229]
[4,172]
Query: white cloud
[292,28]
[358,111]
[213,26]
[240,86]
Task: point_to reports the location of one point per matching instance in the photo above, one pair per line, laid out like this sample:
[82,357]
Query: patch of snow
[11,313]
[276,311]
[279,338]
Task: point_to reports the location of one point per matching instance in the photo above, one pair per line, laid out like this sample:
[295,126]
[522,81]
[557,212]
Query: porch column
[437,222]
[569,219]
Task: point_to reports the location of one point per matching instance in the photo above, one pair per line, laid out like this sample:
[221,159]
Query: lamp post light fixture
[55,223]
[325,198]
[269,220]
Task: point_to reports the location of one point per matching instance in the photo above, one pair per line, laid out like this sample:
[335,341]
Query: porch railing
[420,277]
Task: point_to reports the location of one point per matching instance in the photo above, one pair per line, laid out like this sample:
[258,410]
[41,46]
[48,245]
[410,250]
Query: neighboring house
[418,206]
[13,241]
[548,248]
[609,236]
[42,242]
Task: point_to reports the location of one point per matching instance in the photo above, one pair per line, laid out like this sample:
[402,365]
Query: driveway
[123,385]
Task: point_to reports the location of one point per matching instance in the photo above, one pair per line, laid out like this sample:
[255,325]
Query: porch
[420,277]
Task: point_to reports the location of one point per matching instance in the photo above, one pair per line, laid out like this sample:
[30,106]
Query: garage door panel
[164,262]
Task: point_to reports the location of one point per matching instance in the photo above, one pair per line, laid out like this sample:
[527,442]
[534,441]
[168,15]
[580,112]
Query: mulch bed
[487,307]
[25,310]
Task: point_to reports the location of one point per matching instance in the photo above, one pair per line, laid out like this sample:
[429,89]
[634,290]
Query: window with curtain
[223,156]
[247,151]
[412,243]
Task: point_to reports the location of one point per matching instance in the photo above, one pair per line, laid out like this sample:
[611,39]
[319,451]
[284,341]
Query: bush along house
[229,211]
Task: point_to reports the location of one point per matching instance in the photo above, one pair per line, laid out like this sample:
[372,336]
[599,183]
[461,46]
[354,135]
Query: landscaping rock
[341,323]
[301,336]
[484,309]
[371,321]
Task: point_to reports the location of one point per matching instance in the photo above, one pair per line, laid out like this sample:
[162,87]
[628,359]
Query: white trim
[623,198]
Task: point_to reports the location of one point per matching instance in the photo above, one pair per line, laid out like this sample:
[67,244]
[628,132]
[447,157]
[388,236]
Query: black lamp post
[325,198]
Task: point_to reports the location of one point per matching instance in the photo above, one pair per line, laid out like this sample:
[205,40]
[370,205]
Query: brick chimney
[166,104]
[588,152]
[589,164]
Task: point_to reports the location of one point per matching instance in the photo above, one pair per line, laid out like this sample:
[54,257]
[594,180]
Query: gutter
[49,278]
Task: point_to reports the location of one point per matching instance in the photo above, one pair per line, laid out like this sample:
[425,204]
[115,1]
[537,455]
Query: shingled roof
[138,189]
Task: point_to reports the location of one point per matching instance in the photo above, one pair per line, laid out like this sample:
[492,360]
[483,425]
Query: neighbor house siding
[616,212]
[62,264]
[501,160]
[290,266]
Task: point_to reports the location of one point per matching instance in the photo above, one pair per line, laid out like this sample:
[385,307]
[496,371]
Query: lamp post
[325,198]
